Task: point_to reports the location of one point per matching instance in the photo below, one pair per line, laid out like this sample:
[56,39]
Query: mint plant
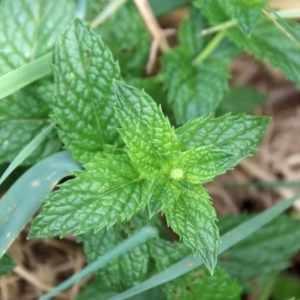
[147,146]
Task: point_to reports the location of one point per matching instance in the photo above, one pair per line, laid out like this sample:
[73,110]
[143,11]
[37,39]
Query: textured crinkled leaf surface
[28,31]
[122,273]
[241,99]
[133,39]
[193,218]
[202,164]
[161,193]
[201,284]
[195,90]
[84,108]
[238,135]
[145,130]
[7,264]
[198,282]
[107,191]
[247,12]
[264,254]
[267,41]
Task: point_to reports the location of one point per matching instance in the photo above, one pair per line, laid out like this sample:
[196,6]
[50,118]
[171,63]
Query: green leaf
[216,11]
[193,218]
[85,100]
[198,283]
[267,41]
[107,191]
[246,12]
[94,291]
[189,31]
[161,193]
[286,287]
[166,253]
[241,99]
[7,264]
[133,40]
[23,116]
[123,272]
[145,130]
[202,164]
[264,254]
[195,90]
[28,31]
[238,135]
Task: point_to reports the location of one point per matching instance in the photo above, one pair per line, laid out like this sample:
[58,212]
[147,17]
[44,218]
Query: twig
[152,24]
[285,14]
[110,9]
[154,50]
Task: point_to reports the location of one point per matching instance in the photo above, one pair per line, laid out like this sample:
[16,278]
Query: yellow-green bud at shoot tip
[176,173]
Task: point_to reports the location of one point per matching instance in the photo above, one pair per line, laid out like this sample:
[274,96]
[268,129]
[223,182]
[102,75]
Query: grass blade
[22,200]
[26,152]
[18,78]
[228,240]
[138,238]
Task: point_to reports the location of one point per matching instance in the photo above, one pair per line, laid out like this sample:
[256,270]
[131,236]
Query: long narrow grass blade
[18,78]
[138,238]
[228,240]
[24,197]
[26,152]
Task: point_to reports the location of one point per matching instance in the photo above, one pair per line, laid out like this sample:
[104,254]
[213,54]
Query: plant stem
[285,14]
[110,9]
[209,48]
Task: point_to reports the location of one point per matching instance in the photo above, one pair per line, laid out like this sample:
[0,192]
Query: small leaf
[241,99]
[264,254]
[7,264]
[193,218]
[198,283]
[84,107]
[196,90]
[133,40]
[247,12]
[238,135]
[161,193]
[267,41]
[202,164]
[166,253]
[123,272]
[107,191]
[145,130]
[193,91]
